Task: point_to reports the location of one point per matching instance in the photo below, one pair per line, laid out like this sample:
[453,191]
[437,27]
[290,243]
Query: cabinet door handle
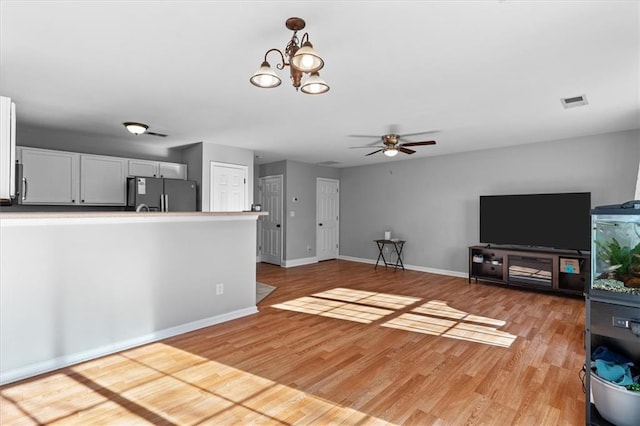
[24,185]
[278,226]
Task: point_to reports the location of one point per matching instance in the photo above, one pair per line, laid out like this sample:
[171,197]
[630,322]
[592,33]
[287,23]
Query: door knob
[278,226]
[319,224]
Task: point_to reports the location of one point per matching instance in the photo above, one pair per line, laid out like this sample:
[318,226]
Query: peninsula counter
[75,286]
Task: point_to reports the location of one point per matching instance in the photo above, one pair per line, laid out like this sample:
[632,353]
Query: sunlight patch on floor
[381,300]
[442,309]
[434,317]
[176,388]
[334,309]
[452,329]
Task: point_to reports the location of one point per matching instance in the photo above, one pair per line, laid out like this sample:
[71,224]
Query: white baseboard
[67,360]
[300,262]
[412,267]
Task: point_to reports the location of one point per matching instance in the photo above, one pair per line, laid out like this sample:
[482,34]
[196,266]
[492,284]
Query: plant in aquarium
[623,261]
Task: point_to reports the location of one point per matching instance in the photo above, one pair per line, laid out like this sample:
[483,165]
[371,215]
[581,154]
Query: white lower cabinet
[49,177]
[102,180]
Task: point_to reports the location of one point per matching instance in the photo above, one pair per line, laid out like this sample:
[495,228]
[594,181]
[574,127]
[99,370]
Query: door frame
[337,182]
[244,167]
[283,225]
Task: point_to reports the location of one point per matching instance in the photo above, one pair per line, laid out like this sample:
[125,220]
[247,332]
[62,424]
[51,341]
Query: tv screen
[559,221]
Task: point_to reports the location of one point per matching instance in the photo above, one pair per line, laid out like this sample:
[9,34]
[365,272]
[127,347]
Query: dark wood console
[564,272]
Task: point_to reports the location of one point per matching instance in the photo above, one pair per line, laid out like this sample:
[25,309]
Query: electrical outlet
[308,248]
[219,289]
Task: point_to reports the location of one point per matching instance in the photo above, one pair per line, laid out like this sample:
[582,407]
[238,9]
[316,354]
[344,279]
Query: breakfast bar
[75,286]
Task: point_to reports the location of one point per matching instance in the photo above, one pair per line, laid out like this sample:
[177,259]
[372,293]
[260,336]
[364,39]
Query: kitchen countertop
[48,215]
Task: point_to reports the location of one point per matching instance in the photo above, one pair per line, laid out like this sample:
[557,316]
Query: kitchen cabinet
[102,180]
[49,177]
[173,170]
[147,168]
[7,149]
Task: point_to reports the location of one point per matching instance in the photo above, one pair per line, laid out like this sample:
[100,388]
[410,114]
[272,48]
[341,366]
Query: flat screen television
[558,221]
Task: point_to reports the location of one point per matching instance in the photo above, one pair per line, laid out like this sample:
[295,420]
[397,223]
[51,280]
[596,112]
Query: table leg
[380,255]
[399,253]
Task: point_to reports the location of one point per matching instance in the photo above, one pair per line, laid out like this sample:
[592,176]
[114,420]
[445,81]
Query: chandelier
[303,59]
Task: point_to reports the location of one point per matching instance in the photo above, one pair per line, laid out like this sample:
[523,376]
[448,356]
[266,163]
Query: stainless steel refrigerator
[162,195]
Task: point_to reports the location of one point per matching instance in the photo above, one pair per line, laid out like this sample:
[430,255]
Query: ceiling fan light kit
[303,59]
[391,144]
[135,128]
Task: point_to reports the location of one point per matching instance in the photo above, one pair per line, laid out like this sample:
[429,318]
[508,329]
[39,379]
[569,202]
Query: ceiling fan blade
[368,147]
[418,133]
[405,150]
[374,152]
[162,135]
[364,136]
[419,143]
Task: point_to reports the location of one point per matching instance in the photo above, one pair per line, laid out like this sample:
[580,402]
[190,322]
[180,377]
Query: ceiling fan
[141,128]
[391,144]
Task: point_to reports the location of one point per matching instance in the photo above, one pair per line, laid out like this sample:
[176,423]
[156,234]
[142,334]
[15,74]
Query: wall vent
[574,101]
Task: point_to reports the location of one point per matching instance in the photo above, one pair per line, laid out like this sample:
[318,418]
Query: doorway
[327,218]
[229,190]
[270,226]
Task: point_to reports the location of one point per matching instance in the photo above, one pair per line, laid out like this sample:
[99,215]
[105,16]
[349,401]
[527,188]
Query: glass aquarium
[615,251]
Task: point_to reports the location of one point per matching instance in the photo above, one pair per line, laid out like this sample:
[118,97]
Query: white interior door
[271,225]
[229,189]
[327,218]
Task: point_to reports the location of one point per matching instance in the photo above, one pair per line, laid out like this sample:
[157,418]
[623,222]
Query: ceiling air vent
[574,101]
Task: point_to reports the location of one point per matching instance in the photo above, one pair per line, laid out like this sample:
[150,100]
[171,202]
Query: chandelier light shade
[306,59]
[302,59]
[314,85]
[265,77]
[136,128]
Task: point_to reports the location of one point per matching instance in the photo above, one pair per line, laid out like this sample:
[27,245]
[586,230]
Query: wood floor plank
[339,342]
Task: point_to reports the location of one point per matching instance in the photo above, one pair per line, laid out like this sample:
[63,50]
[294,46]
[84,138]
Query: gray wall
[224,154]
[433,202]
[301,229]
[198,158]
[299,232]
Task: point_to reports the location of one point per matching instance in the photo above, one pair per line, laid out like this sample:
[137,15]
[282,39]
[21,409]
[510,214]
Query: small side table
[398,245]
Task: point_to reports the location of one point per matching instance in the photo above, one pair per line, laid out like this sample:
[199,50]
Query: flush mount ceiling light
[303,59]
[136,128]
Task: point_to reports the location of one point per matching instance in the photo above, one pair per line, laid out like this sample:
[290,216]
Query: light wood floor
[388,347]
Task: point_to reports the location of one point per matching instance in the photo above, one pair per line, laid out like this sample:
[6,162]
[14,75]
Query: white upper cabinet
[102,180]
[173,170]
[158,169]
[143,168]
[49,177]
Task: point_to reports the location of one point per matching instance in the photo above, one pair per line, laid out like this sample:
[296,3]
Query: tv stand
[549,270]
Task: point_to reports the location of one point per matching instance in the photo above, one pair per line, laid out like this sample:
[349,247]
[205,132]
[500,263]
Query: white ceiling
[481,74]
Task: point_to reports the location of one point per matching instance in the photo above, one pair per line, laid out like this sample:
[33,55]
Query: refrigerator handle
[24,188]
[166,202]
[162,202]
